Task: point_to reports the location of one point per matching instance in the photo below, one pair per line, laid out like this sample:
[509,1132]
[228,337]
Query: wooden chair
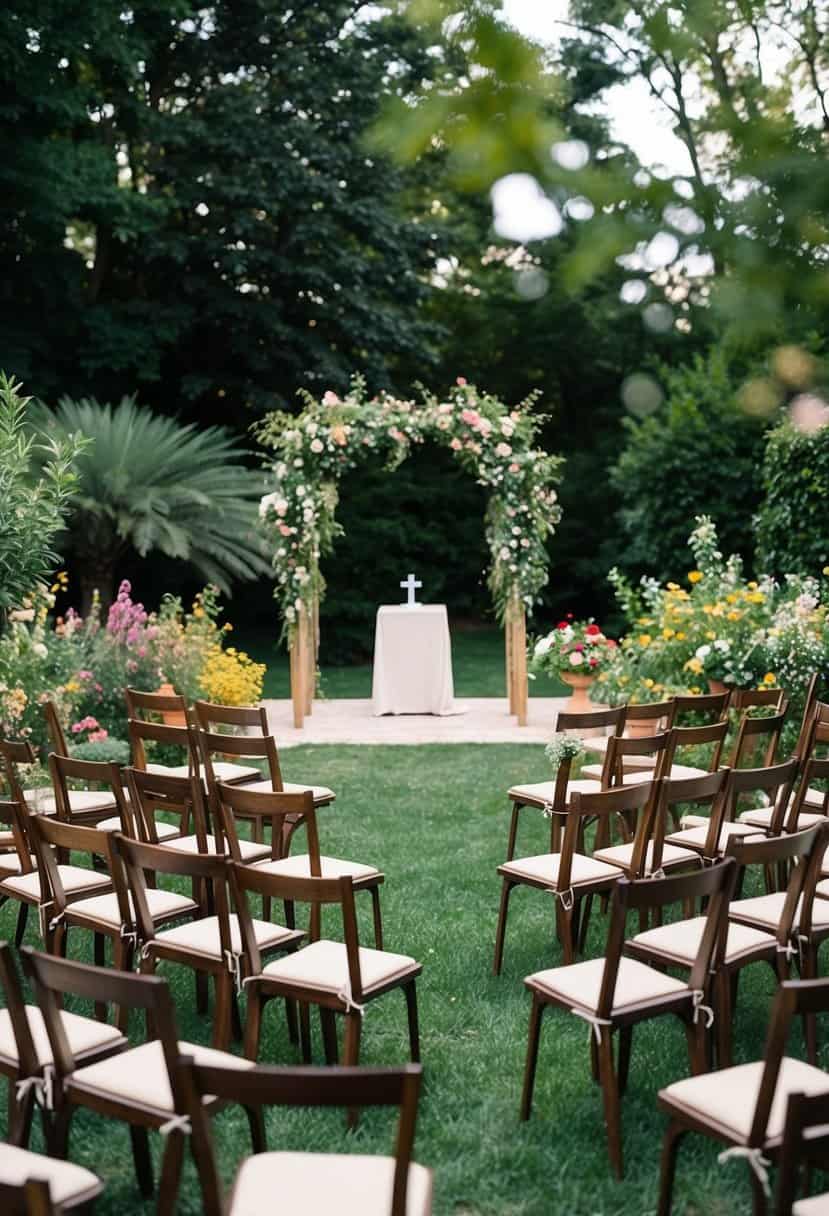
[140,1085]
[30,885]
[26,1056]
[710,706]
[658,715]
[570,876]
[34,1185]
[13,753]
[64,769]
[711,839]
[614,993]
[744,1107]
[711,736]
[252,719]
[805,1144]
[677,944]
[758,739]
[168,705]
[210,945]
[281,811]
[150,706]
[88,805]
[261,747]
[112,916]
[802,809]
[305,1181]
[553,797]
[754,698]
[142,732]
[338,977]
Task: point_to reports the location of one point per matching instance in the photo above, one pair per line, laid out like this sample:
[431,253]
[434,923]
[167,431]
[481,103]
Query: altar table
[412,661]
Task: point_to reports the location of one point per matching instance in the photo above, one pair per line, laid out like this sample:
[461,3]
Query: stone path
[351,721]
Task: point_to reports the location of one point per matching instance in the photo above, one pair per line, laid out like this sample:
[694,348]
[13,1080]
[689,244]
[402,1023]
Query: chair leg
[500,932]
[328,1025]
[20,931]
[564,924]
[20,1113]
[410,992]
[351,1056]
[221,1013]
[809,972]
[513,832]
[58,1144]
[723,1013]
[378,919]
[256,1123]
[533,1038]
[305,1031]
[99,956]
[670,1147]
[610,1097]
[168,1183]
[122,953]
[253,1023]
[758,1195]
[142,1159]
[200,978]
[625,1041]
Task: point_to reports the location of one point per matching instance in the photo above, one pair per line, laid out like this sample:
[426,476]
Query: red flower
[594,662]
[592,630]
[562,625]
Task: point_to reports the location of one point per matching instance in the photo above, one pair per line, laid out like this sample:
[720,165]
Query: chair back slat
[711,735]
[140,702]
[794,998]
[140,732]
[750,734]
[27,1057]
[106,774]
[207,715]
[12,753]
[208,869]
[713,705]
[674,792]
[278,809]
[54,728]
[182,796]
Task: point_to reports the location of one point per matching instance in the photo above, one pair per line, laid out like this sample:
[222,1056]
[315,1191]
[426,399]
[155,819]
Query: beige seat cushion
[202,936]
[579,984]
[679,772]
[681,940]
[161,903]
[815,1205]
[225,770]
[163,830]
[299,866]
[699,835]
[594,771]
[249,849]
[761,818]
[622,855]
[169,770]
[42,800]
[767,910]
[314,1183]
[728,1097]
[814,797]
[83,1034]
[321,792]
[10,864]
[74,878]
[542,793]
[694,821]
[140,1074]
[324,965]
[544,868]
[68,1183]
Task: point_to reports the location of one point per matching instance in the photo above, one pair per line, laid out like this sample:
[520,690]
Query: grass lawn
[435,819]
[477,660]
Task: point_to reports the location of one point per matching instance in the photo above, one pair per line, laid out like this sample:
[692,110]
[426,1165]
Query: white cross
[409,585]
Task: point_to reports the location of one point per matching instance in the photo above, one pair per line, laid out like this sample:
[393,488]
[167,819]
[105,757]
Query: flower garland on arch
[494,443]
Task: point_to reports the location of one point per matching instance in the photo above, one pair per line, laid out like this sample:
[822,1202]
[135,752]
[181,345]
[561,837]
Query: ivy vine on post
[494,443]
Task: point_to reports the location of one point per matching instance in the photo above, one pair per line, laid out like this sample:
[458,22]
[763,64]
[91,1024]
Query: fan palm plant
[151,484]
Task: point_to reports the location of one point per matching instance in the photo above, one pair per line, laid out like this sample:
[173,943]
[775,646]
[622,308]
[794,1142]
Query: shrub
[793,522]
[103,751]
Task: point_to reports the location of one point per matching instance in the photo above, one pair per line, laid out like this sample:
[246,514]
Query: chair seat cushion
[249,849]
[299,866]
[348,1184]
[69,1184]
[161,904]
[699,835]
[815,1205]
[672,855]
[163,830]
[544,868]
[225,770]
[768,909]
[541,794]
[324,965]
[814,797]
[74,878]
[202,936]
[169,770]
[321,793]
[727,1098]
[10,864]
[84,1034]
[761,818]
[140,1076]
[42,800]
[681,940]
[679,772]
[579,984]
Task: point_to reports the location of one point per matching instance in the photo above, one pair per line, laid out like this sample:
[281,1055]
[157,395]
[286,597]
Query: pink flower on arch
[471,417]
[455,444]
[330,398]
[503,449]
[461,381]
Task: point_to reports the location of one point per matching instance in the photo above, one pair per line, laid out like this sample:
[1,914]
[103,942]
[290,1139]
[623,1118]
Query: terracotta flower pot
[171,717]
[640,728]
[717,686]
[579,702]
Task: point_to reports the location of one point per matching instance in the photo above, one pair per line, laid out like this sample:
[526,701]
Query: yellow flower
[230,677]
[752,586]
[756,597]
[769,678]
[707,609]
[731,598]
[72,686]
[648,682]
[734,615]
[694,576]
[710,634]
[681,635]
[826,570]
[644,639]
[695,689]
[667,633]
[694,665]
[675,586]
[198,611]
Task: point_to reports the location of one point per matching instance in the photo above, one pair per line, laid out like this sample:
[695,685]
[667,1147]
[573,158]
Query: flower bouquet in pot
[574,652]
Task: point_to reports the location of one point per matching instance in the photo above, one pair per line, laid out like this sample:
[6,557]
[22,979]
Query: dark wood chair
[553,797]
[702,708]
[12,754]
[805,1145]
[26,1056]
[680,738]
[758,739]
[806,806]
[616,992]
[570,876]
[139,1086]
[711,839]
[639,719]
[338,977]
[744,1107]
[262,747]
[210,945]
[252,719]
[169,707]
[87,805]
[107,776]
[282,812]
[677,944]
[34,1185]
[305,1181]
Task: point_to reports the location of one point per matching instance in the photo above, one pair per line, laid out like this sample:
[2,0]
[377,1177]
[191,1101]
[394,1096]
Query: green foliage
[792,532]
[698,452]
[103,751]
[150,484]
[37,484]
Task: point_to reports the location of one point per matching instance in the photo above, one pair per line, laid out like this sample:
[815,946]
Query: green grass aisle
[435,820]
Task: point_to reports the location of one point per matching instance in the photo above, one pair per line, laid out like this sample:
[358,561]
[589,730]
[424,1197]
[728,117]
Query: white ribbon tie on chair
[757,1162]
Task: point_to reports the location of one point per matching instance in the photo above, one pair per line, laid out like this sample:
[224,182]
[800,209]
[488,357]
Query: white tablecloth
[412,661]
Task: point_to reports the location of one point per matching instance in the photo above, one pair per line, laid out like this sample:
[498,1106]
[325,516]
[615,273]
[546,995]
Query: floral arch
[495,444]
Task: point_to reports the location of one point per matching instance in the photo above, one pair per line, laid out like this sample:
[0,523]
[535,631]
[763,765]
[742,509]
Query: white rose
[40,650]
[317,446]
[576,658]
[542,646]
[702,652]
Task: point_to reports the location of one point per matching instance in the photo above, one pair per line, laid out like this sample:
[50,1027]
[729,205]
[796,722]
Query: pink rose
[503,449]
[514,468]
[456,444]
[461,381]
[576,658]
[471,417]
[330,398]
[445,407]
[317,445]
[284,529]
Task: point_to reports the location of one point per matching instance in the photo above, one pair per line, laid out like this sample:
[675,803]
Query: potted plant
[574,652]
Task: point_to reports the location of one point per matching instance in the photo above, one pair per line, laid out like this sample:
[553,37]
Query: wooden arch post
[304,651]
[515,639]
